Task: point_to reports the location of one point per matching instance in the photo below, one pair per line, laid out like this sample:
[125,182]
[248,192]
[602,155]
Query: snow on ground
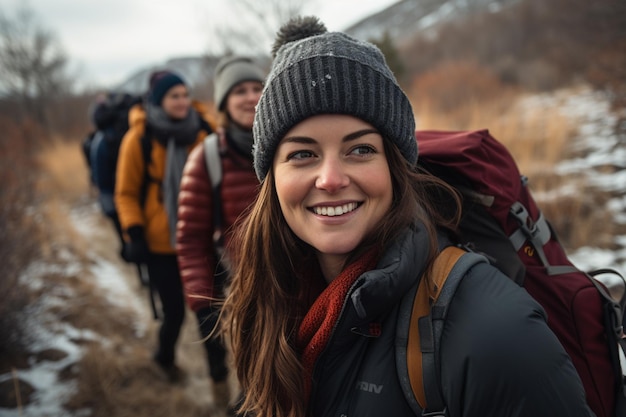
[49,333]
[600,146]
[107,274]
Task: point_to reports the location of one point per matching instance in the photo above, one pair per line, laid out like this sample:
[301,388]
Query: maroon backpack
[502,221]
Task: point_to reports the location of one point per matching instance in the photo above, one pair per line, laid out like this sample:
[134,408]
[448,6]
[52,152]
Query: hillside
[529,44]
[406,19]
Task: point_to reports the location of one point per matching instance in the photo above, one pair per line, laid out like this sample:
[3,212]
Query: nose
[332,176]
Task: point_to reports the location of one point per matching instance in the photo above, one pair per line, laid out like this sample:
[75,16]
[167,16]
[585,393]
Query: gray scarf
[176,135]
[240,138]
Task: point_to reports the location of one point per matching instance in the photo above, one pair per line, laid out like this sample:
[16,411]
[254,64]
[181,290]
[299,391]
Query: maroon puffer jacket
[194,235]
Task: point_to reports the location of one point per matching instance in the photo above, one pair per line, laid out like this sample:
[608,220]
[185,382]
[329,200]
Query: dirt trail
[122,282]
[93,334]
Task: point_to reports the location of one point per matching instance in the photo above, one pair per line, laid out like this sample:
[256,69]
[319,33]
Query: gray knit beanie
[229,72]
[320,72]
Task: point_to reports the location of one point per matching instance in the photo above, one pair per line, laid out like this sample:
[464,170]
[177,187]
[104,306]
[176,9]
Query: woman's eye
[363,150]
[300,155]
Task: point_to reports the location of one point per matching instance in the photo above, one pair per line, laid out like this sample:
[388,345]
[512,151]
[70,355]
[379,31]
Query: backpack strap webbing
[213,162]
[212,157]
[430,307]
[146,156]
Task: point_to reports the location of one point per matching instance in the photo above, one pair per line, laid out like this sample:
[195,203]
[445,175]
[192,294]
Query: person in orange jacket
[163,130]
[201,216]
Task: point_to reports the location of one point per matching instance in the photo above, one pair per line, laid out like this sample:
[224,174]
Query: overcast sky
[107,40]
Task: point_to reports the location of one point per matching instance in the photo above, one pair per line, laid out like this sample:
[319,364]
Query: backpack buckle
[442,413]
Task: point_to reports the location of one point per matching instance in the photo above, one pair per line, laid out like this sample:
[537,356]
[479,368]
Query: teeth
[335,211]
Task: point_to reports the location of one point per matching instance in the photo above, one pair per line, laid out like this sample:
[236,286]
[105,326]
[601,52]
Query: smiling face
[333,183]
[241,102]
[176,102]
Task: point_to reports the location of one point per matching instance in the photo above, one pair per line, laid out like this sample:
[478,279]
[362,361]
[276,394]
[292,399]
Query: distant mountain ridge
[401,20]
[404,19]
[530,43]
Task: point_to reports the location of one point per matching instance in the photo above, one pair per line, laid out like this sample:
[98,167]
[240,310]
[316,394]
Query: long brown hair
[266,301]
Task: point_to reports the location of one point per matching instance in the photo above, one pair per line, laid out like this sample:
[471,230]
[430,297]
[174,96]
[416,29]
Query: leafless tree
[250,26]
[33,66]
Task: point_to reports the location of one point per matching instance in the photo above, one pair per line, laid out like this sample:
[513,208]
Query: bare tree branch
[32,65]
[249,26]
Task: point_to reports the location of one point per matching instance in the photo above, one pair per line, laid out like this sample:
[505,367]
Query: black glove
[136,250]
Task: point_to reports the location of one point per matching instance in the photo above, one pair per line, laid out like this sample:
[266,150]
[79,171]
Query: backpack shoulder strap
[212,157]
[213,162]
[428,310]
[146,153]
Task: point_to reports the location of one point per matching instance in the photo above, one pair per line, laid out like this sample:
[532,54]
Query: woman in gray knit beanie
[329,259]
[329,72]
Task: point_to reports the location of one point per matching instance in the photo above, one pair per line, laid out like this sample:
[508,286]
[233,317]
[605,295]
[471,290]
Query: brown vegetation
[115,375]
[537,138]
[18,171]
[535,44]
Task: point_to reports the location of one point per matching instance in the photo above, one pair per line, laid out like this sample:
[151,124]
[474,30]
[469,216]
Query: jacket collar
[399,268]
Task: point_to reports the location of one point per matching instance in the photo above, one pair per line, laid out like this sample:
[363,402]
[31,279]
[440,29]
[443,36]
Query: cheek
[233,103]
[287,189]
[377,179]
[176,106]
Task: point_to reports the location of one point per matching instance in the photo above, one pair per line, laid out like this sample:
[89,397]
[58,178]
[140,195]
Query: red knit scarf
[318,323]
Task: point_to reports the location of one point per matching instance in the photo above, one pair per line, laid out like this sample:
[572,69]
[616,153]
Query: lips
[332,211]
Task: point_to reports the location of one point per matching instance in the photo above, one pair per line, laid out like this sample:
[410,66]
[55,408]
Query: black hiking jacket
[498,356]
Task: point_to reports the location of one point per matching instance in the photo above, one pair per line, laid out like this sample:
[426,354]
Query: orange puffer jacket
[130,176]
[194,236]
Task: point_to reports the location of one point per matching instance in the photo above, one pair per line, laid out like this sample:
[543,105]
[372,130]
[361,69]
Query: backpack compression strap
[430,308]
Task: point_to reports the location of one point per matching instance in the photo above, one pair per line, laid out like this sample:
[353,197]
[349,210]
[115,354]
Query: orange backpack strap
[421,319]
[442,266]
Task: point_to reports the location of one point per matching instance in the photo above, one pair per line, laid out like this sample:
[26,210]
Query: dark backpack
[102,146]
[502,221]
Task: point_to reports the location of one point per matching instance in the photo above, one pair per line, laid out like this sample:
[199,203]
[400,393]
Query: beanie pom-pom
[296,29]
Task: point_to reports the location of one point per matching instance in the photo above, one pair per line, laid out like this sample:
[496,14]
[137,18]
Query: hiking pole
[144,276]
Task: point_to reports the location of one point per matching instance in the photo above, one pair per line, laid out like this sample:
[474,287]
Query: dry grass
[18,170]
[64,170]
[124,382]
[538,139]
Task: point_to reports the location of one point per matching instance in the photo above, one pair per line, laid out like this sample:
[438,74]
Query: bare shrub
[539,75]
[532,43]
[125,382]
[18,170]
[454,84]
[456,95]
[608,73]
[66,177]
[69,116]
[538,139]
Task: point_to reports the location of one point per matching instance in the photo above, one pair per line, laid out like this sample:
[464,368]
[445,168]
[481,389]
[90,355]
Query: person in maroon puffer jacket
[200,241]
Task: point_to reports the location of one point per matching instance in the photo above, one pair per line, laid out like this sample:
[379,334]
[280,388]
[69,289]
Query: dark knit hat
[160,83]
[320,72]
[229,72]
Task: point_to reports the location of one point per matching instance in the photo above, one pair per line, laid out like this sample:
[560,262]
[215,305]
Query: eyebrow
[347,138]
